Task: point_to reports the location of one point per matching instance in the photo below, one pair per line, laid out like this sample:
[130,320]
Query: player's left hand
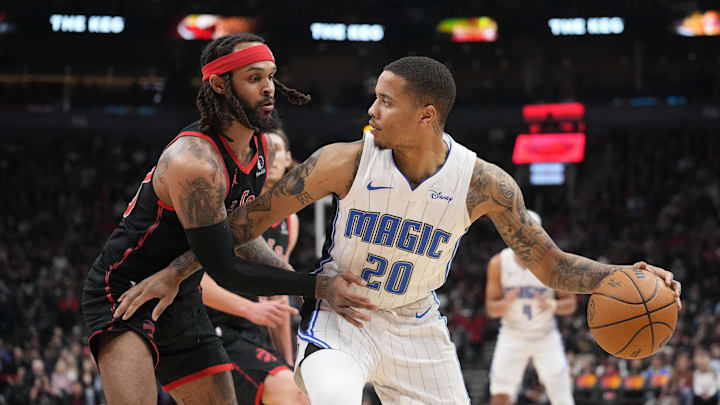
[667,276]
[158,285]
[335,290]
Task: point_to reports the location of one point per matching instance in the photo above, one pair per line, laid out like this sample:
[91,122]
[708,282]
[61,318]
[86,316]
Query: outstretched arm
[495,194]
[330,170]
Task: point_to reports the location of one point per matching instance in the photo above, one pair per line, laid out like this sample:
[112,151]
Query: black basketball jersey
[150,235]
[278,237]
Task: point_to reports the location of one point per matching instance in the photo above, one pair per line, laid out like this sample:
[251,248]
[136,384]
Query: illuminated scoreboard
[556,137]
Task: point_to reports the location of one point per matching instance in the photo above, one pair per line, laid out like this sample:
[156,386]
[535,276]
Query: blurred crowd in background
[638,196]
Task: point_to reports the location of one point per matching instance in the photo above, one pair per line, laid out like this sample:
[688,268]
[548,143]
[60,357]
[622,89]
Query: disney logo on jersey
[260,166]
[246,198]
[438,195]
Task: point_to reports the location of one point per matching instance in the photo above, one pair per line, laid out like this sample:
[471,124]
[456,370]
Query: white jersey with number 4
[400,239]
[524,317]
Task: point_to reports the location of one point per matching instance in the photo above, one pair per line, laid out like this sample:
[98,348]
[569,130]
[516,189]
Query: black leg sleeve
[213,246]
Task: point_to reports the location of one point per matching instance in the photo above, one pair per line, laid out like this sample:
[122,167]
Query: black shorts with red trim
[183,342]
[253,360]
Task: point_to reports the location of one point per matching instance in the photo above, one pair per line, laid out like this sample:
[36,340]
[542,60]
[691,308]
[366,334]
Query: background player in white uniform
[528,331]
[403,197]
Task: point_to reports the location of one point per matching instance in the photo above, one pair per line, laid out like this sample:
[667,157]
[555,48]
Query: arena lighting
[699,24]
[211,26]
[94,24]
[540,148]
[475,29]
[555,111]
[547,174]
[347,32]
[583,26]
[5,26]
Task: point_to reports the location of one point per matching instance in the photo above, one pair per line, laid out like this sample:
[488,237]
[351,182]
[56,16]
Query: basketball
[633,314]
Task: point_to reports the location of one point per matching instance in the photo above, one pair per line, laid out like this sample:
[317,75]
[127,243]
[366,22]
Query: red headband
[237,59]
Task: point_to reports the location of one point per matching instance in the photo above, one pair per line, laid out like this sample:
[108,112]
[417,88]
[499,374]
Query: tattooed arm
[330,170]
[494,193]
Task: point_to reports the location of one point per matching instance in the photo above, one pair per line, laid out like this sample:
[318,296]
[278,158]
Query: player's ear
[217,84]
[288,155]
[428,114]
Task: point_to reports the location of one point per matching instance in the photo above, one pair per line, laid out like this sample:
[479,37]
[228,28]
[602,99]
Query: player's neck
[240,136]
[422,159]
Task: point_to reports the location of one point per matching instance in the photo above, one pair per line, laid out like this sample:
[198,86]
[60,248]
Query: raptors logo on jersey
[400,239]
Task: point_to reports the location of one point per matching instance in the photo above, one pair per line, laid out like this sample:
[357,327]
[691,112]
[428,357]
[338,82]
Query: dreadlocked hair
[293,96]
[219,110]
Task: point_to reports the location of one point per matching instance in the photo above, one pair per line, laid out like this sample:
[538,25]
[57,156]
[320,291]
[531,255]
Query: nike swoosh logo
[371,187]
[423,314]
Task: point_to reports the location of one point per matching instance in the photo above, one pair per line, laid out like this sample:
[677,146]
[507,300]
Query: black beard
[263,124]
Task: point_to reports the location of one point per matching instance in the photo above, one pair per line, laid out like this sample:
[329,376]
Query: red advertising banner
[534,148]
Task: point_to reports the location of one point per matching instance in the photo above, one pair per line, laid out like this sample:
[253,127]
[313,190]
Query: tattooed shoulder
[491,183]
[477,192]
[199,178]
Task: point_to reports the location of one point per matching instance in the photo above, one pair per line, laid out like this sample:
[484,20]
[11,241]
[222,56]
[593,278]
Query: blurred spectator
[679,389]
[705,380]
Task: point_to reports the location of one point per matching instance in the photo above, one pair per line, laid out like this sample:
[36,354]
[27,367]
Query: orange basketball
[633,314]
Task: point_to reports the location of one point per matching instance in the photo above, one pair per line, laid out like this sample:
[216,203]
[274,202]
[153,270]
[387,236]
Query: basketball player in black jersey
[212,167]
[262,363]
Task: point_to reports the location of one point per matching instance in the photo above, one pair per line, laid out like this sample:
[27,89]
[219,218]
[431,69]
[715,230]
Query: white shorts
[406,353]
[511,357]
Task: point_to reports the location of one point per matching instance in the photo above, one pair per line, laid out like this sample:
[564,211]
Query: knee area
[332,377]
[280,389]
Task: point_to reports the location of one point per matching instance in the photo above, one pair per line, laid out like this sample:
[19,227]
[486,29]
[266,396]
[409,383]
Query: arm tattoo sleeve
[202,203]
[255,251]
[259,251]
[531,244]
[292,184]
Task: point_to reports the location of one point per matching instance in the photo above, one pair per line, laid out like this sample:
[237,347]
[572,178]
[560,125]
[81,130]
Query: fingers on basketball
[632,314]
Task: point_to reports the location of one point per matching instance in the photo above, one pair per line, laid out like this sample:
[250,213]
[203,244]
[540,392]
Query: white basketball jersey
[399,239]
[524,316]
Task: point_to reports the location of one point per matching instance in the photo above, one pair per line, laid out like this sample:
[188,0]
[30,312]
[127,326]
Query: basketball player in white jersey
[527,308]
[403,197]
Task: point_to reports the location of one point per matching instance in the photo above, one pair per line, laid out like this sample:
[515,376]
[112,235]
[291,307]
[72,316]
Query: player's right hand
[270,313]
[335,290]
[159,285]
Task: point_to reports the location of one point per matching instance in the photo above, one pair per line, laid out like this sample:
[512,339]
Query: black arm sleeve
[213,246]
